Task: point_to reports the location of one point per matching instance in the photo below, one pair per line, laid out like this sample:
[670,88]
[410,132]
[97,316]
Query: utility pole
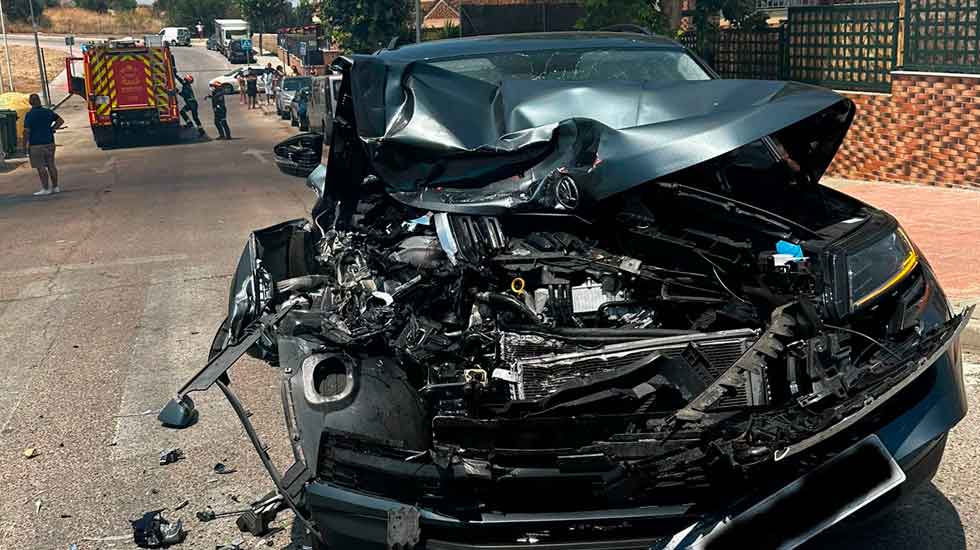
[6,49]
[40,60]
[418,21]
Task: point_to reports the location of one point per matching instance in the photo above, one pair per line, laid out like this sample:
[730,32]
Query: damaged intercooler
[539,365]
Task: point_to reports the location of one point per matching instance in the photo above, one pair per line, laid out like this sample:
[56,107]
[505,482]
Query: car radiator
[539,365]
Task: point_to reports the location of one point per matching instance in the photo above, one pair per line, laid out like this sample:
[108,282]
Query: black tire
[228,88]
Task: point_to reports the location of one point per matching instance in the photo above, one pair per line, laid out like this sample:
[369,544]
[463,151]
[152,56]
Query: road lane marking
[48,269]
[170,345]
[257,155]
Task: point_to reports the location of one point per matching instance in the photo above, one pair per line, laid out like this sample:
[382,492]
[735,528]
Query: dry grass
[79,21]
[27,78]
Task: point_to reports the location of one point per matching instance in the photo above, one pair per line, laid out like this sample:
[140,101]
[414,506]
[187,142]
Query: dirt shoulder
[27,78]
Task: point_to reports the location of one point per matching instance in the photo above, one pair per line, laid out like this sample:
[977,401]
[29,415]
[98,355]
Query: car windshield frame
[694,62]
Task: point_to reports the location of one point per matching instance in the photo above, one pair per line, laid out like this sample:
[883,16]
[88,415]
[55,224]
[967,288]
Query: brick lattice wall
[926,131]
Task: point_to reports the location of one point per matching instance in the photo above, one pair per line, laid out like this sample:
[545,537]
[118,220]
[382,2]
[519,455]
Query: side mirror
[299,155]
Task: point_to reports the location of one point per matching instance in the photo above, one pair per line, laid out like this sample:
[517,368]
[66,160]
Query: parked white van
[176,36]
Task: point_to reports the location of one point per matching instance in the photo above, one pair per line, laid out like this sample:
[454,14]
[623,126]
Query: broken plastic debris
[30,452]
[171,455]
[152,530]
[220,468]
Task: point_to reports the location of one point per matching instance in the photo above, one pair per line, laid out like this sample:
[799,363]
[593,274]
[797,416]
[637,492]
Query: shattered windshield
[637,65]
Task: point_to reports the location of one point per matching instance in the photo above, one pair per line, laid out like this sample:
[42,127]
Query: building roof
[440,9]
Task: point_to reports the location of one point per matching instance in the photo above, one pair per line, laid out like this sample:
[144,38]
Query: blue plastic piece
[784,247]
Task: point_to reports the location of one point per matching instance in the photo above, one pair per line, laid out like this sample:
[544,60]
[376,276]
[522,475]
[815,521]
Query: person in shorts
[39,126]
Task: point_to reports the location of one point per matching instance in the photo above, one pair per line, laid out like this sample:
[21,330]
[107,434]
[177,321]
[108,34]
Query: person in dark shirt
[252,88]
[217,98]
[190,103]
[40,125]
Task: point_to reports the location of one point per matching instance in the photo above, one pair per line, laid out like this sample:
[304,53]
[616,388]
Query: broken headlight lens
[878,267]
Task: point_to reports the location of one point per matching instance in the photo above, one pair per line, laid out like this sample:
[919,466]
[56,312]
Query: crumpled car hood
[431,133]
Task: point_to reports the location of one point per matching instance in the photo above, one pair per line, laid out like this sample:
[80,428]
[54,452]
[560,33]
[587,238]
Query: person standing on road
[40,125]
[217,98]
[241,87]
[190,104]
[267,81]
[252,88]
[200,30]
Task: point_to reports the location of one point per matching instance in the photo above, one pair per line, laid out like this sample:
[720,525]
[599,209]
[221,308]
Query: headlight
[872,270]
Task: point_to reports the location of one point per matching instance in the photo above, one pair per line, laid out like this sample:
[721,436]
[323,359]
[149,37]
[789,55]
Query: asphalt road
[109,295]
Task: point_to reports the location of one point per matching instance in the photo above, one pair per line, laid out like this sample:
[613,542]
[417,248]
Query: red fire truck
[130,91]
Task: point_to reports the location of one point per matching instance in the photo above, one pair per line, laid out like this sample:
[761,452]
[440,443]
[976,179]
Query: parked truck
[228,30]
[130,90]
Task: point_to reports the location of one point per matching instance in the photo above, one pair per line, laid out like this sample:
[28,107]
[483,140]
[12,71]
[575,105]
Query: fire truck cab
[130,90]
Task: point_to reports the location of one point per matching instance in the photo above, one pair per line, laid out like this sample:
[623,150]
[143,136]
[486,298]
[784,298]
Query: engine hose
[304,282]
[503,300]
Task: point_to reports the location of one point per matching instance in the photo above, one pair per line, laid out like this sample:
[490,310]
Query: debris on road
[221,469]
[181,504]
[37,507]
[171,455]
[208,514]
[30,453]
[152,530]
[235,544]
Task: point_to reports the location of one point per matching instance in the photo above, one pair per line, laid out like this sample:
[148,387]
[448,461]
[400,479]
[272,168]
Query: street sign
[246,44]
[69,40]
[302,49]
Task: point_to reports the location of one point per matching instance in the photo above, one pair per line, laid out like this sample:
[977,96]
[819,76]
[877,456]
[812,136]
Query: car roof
[527,42]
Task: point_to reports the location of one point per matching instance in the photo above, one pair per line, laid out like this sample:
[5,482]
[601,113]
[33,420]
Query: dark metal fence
[491,18]
[849,47]
[852,46]
[942,35]
[746,53]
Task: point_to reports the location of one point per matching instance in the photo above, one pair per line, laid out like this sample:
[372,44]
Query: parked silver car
[286,92]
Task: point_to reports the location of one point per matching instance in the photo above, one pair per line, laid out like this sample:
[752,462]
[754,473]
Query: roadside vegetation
[137,21]
[27,79]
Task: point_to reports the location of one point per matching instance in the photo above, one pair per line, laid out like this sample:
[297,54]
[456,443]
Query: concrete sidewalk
[945,223]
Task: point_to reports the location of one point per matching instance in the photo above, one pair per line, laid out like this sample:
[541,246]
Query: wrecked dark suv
[573,291]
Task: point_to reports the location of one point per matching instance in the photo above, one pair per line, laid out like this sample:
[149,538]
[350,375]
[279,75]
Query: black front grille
[542,365]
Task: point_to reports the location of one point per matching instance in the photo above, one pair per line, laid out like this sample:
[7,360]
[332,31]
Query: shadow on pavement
[926,519]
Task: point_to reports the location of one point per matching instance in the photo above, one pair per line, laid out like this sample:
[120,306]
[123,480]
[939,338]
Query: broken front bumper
[911,427]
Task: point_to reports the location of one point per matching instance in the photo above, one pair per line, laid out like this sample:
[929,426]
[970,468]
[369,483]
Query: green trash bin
[8,131]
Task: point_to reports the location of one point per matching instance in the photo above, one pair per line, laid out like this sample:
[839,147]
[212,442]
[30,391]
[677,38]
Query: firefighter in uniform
[217,98]
[190,103]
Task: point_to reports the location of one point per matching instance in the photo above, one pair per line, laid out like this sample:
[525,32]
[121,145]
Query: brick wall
[926,131]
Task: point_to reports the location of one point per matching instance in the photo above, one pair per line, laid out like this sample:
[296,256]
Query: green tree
[122,5]
[19,10]
[363,26]
[100,6]
[603,13]
[264,15]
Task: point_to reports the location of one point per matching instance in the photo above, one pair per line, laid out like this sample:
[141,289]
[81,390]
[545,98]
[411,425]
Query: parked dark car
[299,110]
[238,53]
[572,291]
